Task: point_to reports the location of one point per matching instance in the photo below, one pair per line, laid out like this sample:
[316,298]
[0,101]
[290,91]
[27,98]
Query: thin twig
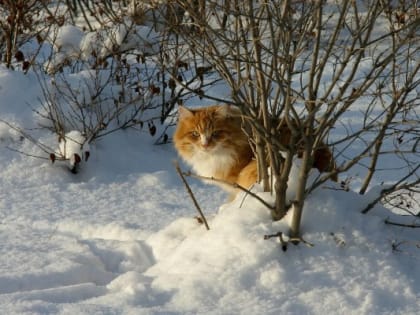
[178,169]
[395,187]
[29,155]
[234,185]
[283,243]
[25,135]
[293,240]
[300,239]
[413,226]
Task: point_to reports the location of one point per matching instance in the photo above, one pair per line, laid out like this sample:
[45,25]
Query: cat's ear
[184,112]
[228,110]
[223,110]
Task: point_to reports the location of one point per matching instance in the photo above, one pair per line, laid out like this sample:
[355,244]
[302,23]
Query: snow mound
[123,240]
[68,40]
[74,148]
[71,43]
[349,270]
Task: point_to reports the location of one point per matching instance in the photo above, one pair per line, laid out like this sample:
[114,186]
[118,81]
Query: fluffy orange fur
[212,142]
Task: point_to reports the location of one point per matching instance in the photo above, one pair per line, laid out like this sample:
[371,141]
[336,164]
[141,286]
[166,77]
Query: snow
[68,40]
[71,42]
[74,148]
[120,237]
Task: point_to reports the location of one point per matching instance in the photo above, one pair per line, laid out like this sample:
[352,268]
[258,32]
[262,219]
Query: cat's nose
[205,142]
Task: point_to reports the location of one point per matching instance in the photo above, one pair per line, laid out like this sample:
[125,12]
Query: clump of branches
[299,69]
[122,71]
[140,56]
[20,22]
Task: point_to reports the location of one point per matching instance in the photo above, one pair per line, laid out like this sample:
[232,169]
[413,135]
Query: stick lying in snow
[178,169]
[283,242]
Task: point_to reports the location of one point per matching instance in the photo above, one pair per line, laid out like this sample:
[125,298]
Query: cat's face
[203,130]
[212,142]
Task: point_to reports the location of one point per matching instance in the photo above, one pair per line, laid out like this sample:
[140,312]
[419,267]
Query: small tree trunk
[263,177]
[300,195]
[8,55]
[281,188]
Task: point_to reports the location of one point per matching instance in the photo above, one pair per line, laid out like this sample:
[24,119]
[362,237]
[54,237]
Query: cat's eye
[195,134]
[216,134]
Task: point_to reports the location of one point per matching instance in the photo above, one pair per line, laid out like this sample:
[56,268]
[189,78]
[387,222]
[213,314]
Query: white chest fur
[213,163]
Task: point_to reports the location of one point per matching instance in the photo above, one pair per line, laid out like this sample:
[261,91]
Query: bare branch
[233,185]
[412,226]
[197,206]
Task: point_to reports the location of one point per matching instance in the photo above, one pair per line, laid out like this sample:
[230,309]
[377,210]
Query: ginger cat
[212,141]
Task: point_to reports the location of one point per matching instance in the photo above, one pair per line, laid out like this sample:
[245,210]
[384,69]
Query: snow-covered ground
[120,237]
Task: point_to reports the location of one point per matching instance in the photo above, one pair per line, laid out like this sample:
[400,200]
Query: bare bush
[21,21]
[304,67]
[119,75]
[138,52]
